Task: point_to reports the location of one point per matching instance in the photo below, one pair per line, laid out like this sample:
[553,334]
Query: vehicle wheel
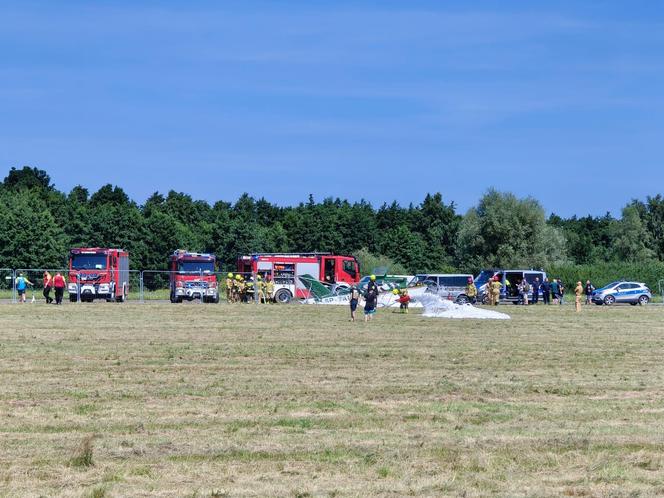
[609,300]
[643,300]
[599,303]
[462,299]
[123,297]
[633,304]
[485,299]
[215,300]
[283,296]
[72,299]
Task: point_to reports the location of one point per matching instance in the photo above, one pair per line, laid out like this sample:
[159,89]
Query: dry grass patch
[234,400]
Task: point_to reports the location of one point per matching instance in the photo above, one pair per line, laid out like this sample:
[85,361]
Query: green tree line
[39,223]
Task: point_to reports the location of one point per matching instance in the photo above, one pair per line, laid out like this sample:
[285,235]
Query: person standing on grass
[589,291]
[48,285]
[546,291]
[554,291]
[59,284]
[561,292]
[372,285]
[370,300]
[536,289]
[404,299]
[354,300]
[577,296]
[471,291]
[21,286]
[524,289]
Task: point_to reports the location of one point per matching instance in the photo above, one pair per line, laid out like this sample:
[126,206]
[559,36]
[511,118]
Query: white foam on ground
[438,307]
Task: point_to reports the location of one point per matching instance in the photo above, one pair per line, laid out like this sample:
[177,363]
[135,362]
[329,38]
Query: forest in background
[39,223]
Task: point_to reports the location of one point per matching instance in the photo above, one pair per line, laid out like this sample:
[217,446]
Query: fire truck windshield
[196,266]
[88,262]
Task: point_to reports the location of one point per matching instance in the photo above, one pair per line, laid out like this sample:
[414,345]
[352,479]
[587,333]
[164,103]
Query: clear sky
[381,100]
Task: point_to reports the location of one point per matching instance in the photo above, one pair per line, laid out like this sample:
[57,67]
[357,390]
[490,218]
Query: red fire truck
[98,273]
[192,277]
[284,270]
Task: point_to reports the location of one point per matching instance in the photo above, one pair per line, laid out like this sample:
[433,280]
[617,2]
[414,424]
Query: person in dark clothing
[588,290]
[354,299]
[536,289]
[370,300]
[546,291]
[372,285]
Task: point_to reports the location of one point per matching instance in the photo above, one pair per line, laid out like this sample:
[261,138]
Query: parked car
[622,292]
[450,286]
[509,293]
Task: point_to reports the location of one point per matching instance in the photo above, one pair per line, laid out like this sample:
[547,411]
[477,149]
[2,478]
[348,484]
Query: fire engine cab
[284,270]
[192,277]
[98,273]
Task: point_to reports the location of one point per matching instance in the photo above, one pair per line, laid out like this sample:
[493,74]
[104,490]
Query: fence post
[78,287]
[141,296]
[13,286]
[254,275]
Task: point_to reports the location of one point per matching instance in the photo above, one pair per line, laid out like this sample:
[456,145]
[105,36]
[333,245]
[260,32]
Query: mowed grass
[237,400]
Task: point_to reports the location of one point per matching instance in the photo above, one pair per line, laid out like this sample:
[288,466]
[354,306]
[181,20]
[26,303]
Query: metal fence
[7,284]
[141,286]
[33,279]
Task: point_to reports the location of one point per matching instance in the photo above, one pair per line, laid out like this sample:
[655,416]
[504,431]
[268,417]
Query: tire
[123,297]
[485,299]
[462,299]
[215,300]
[609,300]
[598,303]
[634,304]
[283,296]
[643,300]
[72,298]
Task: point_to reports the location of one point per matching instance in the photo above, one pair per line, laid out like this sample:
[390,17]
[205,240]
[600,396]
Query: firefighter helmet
[230,275]
[395,291]
[373,278]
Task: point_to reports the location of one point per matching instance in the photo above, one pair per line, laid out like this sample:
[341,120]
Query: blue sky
[358,99]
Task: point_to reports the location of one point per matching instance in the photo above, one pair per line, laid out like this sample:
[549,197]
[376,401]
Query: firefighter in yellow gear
[229,287]
[471,291]
[269,290]
[578,291]
[495,291]
[248,290]
[238,289]
[259,287]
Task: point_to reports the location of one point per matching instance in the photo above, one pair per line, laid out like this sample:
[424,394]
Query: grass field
[233,400]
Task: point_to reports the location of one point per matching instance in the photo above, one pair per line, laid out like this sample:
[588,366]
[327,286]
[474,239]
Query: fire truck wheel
[283,296]
[72,298]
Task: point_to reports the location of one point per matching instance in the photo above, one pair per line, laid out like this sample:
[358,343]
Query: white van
[449,285]
[508,293]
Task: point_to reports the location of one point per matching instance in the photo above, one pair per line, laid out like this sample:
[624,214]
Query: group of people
[551,291]
[56,283]
[241,290]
